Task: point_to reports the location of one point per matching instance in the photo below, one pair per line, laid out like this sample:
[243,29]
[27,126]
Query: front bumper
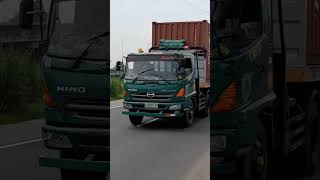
[163,110]
[89,140]
[158,115]
[53,159]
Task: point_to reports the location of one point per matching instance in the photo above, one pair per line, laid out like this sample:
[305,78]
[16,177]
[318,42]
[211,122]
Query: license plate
[151,105]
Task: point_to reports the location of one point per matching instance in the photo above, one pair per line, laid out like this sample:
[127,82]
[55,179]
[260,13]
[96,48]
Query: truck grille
[89,108]
[156,97]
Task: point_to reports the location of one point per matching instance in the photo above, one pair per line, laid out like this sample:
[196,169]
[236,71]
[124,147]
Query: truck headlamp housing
[218,143]
[57,141]
[176,107]
[128,106]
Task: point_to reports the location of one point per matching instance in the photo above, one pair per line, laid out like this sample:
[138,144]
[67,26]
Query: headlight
[175,107]
[58,141]
[218,143]
[128,106]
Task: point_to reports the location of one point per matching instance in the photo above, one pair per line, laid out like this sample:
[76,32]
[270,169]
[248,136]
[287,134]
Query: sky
[131,21]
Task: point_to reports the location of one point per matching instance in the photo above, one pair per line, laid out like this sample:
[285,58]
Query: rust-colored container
[195,33]
[313,32]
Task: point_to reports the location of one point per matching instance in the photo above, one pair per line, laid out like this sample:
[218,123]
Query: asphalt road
[158,150]
[154,151]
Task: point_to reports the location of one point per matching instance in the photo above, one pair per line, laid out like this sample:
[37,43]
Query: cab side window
[188,66]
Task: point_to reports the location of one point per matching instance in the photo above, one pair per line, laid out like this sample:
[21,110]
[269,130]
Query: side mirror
[118,66]
[25,14]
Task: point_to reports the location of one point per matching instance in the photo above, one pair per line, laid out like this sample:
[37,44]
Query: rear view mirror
[25,14]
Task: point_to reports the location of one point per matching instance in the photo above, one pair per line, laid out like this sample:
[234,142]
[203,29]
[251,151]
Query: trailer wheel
[188,118]
[136,120]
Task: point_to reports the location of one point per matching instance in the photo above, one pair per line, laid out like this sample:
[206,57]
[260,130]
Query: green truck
[169,81]
[75,68]
[264,107]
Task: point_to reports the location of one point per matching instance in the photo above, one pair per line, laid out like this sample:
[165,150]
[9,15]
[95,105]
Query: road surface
[154,151]
[159,150]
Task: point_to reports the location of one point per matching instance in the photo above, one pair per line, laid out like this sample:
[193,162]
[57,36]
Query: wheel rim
[260,159]
[190,116]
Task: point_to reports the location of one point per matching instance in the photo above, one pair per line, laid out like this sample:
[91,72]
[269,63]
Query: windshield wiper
[92,40]
[164,79]
[142,72]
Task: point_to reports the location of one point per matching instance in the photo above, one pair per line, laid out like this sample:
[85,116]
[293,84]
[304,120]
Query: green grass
[20,86]
[34,110]
[116,89]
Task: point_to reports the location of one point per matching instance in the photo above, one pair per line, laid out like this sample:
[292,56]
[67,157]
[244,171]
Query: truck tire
[205,112]
[68,174]
[305,155]
[188,118]
[255,165]
[136,120]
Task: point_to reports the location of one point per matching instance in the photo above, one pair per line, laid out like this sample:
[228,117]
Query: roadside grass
[34,110]
[116,89]
[20,86]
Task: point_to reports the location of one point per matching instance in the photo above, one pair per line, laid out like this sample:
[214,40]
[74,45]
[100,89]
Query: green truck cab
[164,83]
[260,121]
[75,68]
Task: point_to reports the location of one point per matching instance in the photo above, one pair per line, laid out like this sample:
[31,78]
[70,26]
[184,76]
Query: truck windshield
[236,24]
[73,23]
[151,70]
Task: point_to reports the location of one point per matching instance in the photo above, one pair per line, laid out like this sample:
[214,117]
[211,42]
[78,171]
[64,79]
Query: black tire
[305,154]
[205,112]
[68,174]
[255,165]
[188,118]
[136,120]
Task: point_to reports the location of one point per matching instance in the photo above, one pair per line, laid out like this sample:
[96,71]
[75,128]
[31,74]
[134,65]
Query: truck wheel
[188,118]
[205,112]
[136,120]
[261,153]
[305,155]
[255,166]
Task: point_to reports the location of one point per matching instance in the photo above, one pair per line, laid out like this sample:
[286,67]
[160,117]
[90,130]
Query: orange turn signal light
[227,100]
[181,93]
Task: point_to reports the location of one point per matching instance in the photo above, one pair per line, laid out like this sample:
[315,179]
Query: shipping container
[302,31]
[195,33]
[313,29]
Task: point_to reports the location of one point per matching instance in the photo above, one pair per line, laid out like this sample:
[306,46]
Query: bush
[116,88]
[20,79]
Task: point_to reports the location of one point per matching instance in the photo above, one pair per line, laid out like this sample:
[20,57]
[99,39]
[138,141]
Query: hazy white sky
[131,21]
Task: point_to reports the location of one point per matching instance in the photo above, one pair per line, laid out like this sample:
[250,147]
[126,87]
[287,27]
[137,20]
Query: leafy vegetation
[20,85]
[116,89]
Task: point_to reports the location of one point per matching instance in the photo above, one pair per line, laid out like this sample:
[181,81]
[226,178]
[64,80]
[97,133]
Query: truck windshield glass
[152,70]
[236,24]
[73,22]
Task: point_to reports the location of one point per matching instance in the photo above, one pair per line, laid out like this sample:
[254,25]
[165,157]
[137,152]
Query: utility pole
[122,54]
